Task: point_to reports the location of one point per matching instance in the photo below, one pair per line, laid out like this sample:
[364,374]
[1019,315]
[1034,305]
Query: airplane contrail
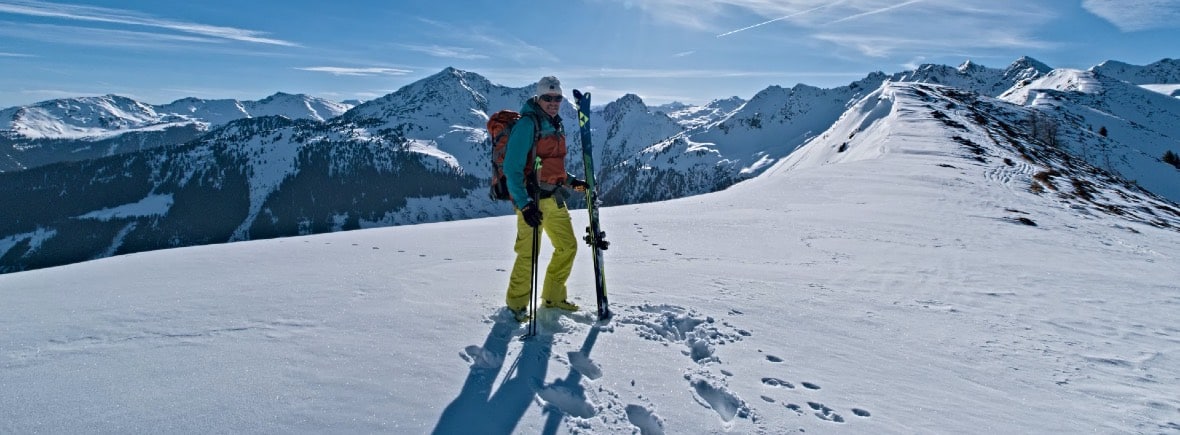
[780,18]
[885,9]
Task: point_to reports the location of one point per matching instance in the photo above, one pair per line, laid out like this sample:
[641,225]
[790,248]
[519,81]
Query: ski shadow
[477,409]
[572,383]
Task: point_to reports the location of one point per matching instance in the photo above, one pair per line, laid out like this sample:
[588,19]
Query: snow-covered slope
[898,286]
[447,114]
[723,146]
[697,116]
[1110,123]
[84,117]
[85,128]
[109,115]
[1163,71]
[974,77]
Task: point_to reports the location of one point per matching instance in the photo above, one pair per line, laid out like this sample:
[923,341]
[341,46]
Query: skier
[538,193]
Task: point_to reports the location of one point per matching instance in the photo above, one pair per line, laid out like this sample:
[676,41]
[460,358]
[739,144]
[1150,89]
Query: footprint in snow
[647,422]
[584,365]
[720,399]
[776,382]
[481,358]
[567,401]
[825,413]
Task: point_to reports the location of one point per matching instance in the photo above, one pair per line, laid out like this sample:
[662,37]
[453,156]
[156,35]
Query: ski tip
[578,94]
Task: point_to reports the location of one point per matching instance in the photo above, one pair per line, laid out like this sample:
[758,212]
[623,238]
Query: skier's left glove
[531,214]
[579,185]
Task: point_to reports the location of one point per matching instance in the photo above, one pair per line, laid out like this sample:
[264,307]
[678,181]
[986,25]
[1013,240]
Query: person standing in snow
[545,179]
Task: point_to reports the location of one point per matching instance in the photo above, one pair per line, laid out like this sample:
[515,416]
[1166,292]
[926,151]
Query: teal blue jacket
[520,145]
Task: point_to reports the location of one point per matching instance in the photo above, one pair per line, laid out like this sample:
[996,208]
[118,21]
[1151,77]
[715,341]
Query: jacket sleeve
[520,143]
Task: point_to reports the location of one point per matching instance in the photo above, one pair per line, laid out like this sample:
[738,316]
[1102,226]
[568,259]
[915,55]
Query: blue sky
[662,50]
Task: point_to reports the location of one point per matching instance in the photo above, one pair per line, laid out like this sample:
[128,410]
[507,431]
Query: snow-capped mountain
[420,155]
[697,116]
[83,117]
[446,115]
[1110,123]
[1166,71]
[87,127]
[110,115]
[975,77]
[253,178]
[993,136]
[760,132]
[220,112]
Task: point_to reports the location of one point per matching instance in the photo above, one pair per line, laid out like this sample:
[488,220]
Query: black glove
[579,185]
[531,214]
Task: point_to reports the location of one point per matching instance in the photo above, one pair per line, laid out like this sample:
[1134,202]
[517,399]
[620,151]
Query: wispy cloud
[883,45]
[446,52]
[516,49]
[903,26]
[131,18]
[358,72]
[480,43]
[4,54]
[96,37]
[1136,15]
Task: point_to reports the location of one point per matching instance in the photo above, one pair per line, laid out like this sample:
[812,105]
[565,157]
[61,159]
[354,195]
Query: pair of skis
[595,237]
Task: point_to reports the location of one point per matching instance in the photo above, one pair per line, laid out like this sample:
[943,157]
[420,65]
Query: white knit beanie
[548,85]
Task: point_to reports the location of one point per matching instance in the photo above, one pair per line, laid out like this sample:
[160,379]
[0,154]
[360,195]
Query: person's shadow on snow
[478,409]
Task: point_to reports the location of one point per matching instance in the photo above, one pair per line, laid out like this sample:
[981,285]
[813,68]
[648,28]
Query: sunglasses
[551,98]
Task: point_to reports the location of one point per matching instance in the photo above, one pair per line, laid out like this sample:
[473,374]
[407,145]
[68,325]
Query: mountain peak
[626,103]
[631,99]
[1164,71]
[968,66]
[1027,62]
[451,74]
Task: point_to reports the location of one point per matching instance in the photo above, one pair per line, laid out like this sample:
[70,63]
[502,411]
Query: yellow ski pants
[556,223]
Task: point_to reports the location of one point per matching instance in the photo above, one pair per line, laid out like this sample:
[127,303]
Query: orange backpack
[499,128]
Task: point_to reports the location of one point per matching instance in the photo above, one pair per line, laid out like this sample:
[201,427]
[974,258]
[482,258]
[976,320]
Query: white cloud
[870,27]
[884,45]
[359,72]
[125,17]
[95,36]
[1135,15]
[515,49]
[446,52]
